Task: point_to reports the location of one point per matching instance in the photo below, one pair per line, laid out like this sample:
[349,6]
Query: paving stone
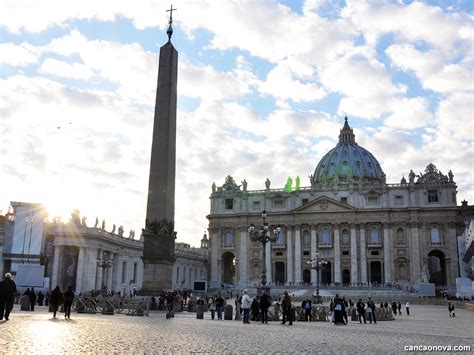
[38,332]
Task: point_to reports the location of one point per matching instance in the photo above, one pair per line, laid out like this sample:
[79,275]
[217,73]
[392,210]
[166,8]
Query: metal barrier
[137,306]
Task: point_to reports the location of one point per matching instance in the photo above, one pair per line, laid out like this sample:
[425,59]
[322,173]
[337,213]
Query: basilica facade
[366,230]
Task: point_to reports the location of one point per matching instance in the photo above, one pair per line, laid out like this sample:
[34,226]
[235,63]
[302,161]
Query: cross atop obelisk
[159,233]
[170,27]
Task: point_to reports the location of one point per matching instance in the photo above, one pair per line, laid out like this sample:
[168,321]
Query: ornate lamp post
[317,264]
[105,262]
[263,235]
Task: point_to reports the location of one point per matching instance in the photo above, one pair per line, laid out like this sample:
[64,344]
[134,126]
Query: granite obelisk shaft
[159,234]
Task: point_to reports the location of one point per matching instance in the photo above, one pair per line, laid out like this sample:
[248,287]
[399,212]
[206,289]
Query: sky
[263,87]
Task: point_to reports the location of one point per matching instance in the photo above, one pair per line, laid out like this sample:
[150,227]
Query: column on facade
[451,264]
[354,262]
[213,238]
[55,275]
[115,273]
[313,252]
[387,253]
[80,270]
[110,271]
[140,273]
[289,255]
[99,272]
[337,255]
[297,255]
[243,257]
[363,255]
[120,280]
[268,262]
[91,270]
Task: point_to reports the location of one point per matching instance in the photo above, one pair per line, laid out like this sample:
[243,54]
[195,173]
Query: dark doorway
[68,268]
[376,272]
[346,277]
[279,272]
[437,267]
[228,261]
[306,276]
[326,277]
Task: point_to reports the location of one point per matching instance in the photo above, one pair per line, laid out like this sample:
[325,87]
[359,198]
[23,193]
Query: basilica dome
[347,162]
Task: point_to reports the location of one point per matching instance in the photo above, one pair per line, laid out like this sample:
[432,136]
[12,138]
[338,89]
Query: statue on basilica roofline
[96,222]
[83,221]
[120,231]
[103,224]
[411,177]
[267,184]
[451,176]
[244,185]
[213,187]
[113,228]
[297,183]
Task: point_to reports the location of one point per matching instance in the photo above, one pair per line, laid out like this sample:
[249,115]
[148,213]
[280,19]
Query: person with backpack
[306,305]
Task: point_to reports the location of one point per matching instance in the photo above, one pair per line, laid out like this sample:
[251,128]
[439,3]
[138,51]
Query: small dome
[347,162]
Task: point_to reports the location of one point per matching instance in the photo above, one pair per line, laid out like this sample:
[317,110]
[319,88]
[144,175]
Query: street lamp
[105,261]
[317,264]
[263,236]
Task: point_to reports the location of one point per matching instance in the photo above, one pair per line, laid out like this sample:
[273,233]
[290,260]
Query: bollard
[228,312]
[200,311]
[25,303]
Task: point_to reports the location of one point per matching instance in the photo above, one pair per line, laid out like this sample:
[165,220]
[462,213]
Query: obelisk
[159,233]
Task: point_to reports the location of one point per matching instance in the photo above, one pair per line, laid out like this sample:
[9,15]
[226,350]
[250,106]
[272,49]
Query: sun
[58,206]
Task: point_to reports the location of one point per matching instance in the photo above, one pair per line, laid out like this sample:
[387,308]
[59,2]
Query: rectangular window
[124,272]
[135,269]
[278,204]
[306,253]
[304,201]
[399,200]
[374,252]
[279,253]
[229,203]
[256,205]
[372,200]
[345,252]
[432,195]
[344,199]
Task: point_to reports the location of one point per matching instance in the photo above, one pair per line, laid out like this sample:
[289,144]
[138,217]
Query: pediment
[325,204]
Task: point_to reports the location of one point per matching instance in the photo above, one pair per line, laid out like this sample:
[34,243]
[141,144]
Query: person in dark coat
[68,299]
[286,308]
[371,310]
[32,299]
[40,298]
[7,296]
[56,298]
[394,308]
[265,303]
[399,308]
[255,309]
[361,310]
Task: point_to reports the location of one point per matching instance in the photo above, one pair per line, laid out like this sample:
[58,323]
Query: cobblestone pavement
[38,332]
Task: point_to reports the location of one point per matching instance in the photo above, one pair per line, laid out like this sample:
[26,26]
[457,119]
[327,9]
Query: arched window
[345,237]
[229,239]
[306,238]
[374,236]
[435,237]
[400,236]
[325,237]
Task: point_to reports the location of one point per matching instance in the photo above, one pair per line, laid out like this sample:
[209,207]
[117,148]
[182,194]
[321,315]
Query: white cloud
[18,55]
[410,113]
[433,69]
[65,70]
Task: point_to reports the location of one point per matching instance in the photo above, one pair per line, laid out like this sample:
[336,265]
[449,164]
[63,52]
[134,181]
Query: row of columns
[89,276]
[294,255]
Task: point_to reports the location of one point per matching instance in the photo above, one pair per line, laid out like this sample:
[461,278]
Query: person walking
[265,303]
[394,308]
[56,298]
[361,310]
[32,299]
[68,299]
[246,303]
[306,305]
[7,296]
[40,298]
[407,307]
[212,307]
[219,306]
[255,309]
[371,310]
[399,308]
[451,309]
[286,308]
